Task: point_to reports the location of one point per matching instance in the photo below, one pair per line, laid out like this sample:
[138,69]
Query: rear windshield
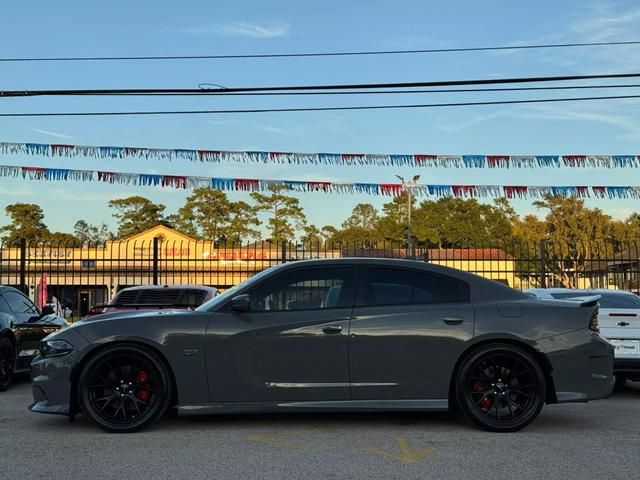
[190,297]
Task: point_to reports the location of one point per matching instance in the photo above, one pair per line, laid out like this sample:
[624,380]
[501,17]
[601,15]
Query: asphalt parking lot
[596,440]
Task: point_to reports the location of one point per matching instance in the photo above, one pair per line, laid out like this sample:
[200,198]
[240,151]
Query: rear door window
[399,286]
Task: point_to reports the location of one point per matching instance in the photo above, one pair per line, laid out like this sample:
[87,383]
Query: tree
[573,233]
[242,219]
[451,222]
[328,233]
[394,222]
[205,211]
[208,214]
[87,233]
[136,214]
[62,239]
[26,221]
[286,215]
[312,237]
[360,229]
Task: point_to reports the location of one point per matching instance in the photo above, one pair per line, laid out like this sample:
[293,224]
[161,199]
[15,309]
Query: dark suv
[154,297]
[22,326]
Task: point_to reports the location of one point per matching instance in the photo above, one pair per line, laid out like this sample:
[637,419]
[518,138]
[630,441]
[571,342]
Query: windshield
[216,301]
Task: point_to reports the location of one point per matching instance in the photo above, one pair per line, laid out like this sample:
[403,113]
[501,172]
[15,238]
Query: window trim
[362,286]
[353,280]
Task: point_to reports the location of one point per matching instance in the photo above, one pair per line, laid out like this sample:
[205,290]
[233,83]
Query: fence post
[284,251]
[543,264]
[155,260]
[23,266]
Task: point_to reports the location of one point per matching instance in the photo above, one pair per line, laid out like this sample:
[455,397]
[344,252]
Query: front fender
[177,337]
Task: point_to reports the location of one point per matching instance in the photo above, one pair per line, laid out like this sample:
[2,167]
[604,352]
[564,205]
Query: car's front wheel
[7,360]
[124,388]
[500,387]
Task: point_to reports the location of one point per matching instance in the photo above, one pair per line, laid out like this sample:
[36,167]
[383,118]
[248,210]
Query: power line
[393,92]
[357,86]
[317,54]
[317,109]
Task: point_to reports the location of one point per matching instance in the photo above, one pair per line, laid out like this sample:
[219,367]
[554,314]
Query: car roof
[7,288]
[482,289]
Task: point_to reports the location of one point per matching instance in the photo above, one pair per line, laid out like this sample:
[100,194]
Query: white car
[619,321]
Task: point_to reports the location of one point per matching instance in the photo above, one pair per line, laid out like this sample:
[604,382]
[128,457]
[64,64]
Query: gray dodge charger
[332,335]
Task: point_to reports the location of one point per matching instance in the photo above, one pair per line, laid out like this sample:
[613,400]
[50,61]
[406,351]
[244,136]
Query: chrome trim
[305,385]
[329,384]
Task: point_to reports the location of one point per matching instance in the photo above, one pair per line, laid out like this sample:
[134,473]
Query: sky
[198,27]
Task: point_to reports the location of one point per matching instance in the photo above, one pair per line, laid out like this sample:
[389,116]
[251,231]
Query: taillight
[593,323]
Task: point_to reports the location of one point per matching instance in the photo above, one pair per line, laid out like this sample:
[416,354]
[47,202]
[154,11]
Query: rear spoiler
[585,301]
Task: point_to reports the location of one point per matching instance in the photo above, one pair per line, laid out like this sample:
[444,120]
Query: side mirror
[241,303]
[47,310]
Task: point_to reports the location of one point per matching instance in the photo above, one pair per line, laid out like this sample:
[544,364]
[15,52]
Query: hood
[50,320]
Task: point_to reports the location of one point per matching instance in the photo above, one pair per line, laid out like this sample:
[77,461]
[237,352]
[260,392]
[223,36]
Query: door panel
[408,330]
[278,356]
[408,351]
[291,345]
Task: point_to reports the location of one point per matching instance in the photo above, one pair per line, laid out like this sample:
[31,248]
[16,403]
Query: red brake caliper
[486,401]
[143,392]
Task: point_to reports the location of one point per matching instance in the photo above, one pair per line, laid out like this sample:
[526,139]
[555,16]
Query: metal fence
[82,275]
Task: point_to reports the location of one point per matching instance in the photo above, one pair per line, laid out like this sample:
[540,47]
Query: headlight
[55,348]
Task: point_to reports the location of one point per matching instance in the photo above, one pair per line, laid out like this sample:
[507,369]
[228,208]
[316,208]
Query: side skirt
[435,405]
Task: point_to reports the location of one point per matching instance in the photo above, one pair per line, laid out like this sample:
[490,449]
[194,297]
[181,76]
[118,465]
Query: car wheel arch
[539,356]
[7,333]
[74,406]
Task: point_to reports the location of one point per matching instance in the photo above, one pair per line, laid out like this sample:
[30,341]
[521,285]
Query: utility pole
[408,187]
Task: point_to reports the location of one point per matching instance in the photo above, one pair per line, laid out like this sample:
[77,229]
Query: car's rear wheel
[7,360]
[500,387]
[124,388]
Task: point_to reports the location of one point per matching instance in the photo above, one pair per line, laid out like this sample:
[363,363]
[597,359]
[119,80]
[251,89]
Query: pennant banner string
[262,185]
[377,159]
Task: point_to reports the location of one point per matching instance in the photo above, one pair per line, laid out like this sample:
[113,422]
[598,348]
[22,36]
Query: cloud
[51,134]
[605,115]
[242,29]
[476,120]
[602,24]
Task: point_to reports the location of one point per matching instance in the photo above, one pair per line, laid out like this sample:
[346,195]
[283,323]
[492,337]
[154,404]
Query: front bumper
[582,366]
[51,378]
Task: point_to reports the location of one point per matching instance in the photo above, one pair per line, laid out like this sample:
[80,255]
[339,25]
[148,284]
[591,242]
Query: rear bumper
[627,368]
[582,366]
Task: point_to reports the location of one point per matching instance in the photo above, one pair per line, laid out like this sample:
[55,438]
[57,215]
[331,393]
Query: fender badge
[190,352]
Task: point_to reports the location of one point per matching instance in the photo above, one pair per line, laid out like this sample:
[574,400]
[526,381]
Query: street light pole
[408,187]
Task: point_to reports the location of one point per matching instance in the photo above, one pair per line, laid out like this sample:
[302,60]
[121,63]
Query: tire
[620,381]
[7,362]
[500,387]
[124,388]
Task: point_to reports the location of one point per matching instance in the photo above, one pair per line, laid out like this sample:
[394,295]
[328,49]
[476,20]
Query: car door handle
[332,329]
[452,320]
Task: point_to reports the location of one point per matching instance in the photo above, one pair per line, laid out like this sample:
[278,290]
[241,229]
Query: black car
[22,326]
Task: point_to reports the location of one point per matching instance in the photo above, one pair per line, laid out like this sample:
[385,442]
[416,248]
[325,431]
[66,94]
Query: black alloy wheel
[7,361]
[124,388]
[501,387]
